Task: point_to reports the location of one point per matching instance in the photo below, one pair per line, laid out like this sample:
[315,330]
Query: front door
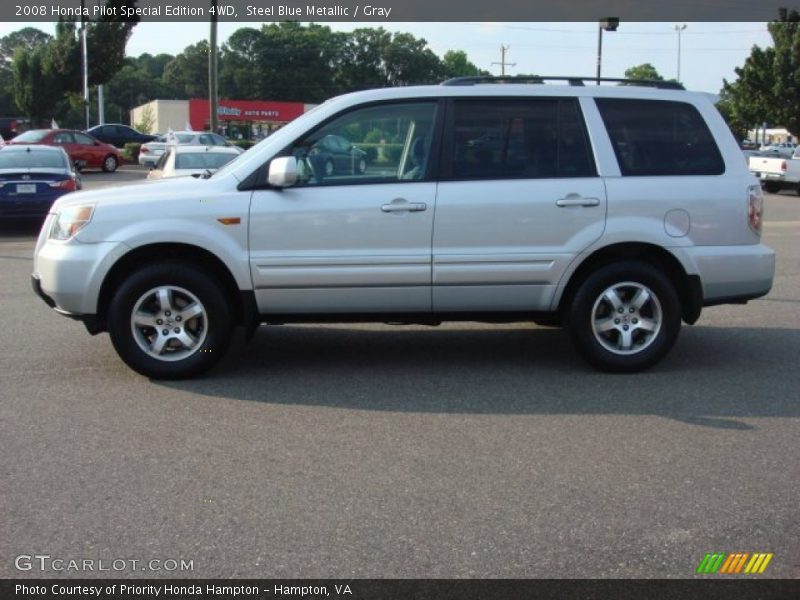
[349,242]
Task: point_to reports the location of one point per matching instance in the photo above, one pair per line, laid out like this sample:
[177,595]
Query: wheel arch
[242,301]
[688,287]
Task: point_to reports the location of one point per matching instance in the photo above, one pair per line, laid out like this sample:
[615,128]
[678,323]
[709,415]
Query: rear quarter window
[660,137]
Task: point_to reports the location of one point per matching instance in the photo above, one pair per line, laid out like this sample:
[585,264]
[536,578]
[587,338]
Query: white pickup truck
[776,173]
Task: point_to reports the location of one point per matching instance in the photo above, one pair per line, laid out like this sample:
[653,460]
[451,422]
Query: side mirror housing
[282,171]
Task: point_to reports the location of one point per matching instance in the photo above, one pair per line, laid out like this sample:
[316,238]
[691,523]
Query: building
[238,119]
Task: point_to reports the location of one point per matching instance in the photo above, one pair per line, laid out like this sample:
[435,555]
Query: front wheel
[625,317]
[170,321]
[110,164]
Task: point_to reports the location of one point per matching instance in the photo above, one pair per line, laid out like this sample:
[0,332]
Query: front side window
[63,137]
[659,137]
[519,138]
[84,139]
[376,144]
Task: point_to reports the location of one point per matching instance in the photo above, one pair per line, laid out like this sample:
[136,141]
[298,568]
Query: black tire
[773,187]
[110,163]
[187,288]
[641,344]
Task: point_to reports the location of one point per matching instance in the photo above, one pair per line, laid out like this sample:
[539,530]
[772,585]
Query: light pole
[607,24]
[679,29]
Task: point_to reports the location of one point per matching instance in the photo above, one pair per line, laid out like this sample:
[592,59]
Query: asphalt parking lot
[376,451]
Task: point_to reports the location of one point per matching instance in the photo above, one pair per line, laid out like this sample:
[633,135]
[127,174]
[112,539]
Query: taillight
[755,208]
[65,184]
[783,166]
[143,150]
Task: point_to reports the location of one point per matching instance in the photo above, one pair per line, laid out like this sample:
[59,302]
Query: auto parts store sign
[244,110]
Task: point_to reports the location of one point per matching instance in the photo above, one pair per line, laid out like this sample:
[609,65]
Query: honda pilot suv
[616,211]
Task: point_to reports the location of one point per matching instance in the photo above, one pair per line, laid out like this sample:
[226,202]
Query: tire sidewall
[108,169]
[218,320]
[582,305]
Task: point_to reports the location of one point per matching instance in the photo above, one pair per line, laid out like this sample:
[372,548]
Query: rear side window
[532,138]
[658,137]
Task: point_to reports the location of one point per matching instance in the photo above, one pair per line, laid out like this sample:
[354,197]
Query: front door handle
[577,200]
[404,207]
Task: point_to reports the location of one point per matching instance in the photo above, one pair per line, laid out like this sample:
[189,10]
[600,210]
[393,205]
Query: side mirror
[282,171]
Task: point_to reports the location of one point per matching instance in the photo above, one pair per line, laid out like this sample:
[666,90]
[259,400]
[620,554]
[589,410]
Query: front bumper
[91,322]
[68,275]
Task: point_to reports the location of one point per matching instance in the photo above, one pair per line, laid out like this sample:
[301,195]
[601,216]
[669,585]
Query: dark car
[32,178]
[335,154]
[118,135]
[83,149]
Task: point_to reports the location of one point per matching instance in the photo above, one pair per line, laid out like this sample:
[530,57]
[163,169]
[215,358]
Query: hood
[157,191]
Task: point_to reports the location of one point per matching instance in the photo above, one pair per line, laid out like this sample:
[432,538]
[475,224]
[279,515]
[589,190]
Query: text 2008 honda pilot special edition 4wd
[617,211]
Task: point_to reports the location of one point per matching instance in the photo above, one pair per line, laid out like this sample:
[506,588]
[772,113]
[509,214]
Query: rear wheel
[110,163]
[625,317]
[170,321]
[773,187]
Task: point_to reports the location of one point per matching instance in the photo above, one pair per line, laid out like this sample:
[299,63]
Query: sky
[709,51]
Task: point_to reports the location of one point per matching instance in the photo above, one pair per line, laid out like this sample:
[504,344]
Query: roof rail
[573,81]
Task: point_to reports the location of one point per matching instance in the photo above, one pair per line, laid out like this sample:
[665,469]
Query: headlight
[70,221]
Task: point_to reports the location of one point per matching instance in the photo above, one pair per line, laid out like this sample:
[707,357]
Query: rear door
[519,198]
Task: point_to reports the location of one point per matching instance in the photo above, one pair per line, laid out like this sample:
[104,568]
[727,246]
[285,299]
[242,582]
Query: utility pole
[503,64]
[212,69]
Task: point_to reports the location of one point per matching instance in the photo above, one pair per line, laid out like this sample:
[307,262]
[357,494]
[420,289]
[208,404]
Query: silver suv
[617,211]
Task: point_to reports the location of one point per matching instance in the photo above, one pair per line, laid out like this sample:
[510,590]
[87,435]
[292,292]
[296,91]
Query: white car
[180,161]
[618,212]
[783,149]
[150,152]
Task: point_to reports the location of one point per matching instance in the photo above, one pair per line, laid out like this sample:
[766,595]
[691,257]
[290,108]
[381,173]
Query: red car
[85,151]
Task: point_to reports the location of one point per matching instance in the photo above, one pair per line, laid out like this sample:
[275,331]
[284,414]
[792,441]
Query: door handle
[577,200]
[404,207]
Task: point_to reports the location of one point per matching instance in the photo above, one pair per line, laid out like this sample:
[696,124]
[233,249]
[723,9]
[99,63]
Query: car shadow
[714,377]
[21,228]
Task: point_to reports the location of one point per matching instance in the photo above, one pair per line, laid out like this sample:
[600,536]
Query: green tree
[187,73]
[644,71]
[59,80]
[409,61]
[786,70]
[456,64]
[239,64]
[750,100]
[27,38]
[767,86]
[37,88]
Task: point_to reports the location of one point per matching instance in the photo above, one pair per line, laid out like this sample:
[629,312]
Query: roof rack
[573,81]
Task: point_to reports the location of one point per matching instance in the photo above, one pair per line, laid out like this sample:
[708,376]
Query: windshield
[32,136]
[202,160]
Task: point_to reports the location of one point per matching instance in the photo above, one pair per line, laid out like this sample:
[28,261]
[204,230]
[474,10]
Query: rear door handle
[404,207]
[576,200]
